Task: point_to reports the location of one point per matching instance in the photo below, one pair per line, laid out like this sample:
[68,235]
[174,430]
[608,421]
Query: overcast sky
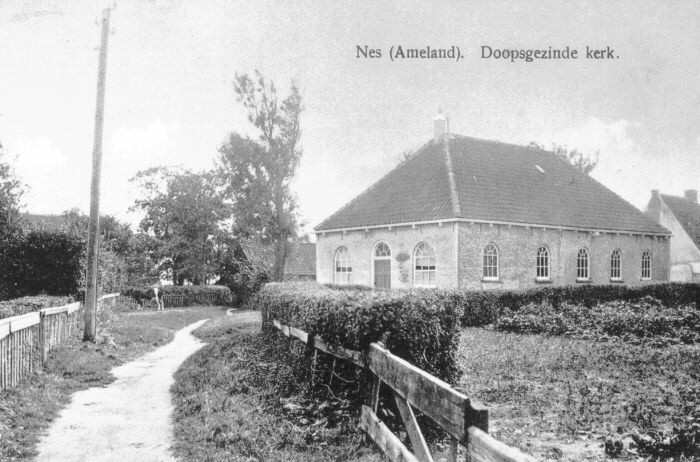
[170,98]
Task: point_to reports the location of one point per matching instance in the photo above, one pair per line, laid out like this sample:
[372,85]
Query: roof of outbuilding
[687,213]
[493,182]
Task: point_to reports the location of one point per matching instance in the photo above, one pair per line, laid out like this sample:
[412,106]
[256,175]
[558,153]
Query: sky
[170,98]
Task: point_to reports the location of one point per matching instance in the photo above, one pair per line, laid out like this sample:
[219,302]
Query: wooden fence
[414,389]
[27,339]
[174,300]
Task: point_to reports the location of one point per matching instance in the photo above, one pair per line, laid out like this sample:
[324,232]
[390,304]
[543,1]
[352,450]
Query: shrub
[485,307]
[24,305]
[144,294]
[415,325]
[40,262]
[646,318]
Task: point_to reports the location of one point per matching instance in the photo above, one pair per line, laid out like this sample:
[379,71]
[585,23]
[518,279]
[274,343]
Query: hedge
[24,305]
[485,307]
[40,262]
[144,294]
[417,325]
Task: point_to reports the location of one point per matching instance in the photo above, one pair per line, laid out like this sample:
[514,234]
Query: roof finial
[441,125]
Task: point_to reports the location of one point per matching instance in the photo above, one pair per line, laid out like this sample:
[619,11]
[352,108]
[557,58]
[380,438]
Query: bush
[417,325]
[40,262]
[485,307]
[144,294]
[645,319]
[24,305]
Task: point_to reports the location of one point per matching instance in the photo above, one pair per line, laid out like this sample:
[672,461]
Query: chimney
[691,195]
[441,126]
[654,193]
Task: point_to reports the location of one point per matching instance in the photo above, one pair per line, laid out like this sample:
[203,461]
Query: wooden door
[382,274]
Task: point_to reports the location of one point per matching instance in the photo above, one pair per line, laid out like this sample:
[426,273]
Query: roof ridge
[454,196]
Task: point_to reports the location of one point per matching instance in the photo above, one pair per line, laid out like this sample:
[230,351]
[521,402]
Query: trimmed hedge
[40,262]
[25,305]
[144,295]
[485,307]
[417,325]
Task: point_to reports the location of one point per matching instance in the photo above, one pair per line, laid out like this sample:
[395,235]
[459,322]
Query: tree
[183,212]
[573,156]
[10,196]
[256,173]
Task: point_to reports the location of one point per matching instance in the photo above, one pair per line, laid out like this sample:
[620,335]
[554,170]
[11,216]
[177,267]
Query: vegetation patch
[192,295]
[646,320]
[239,399]
[28,409]
[23,305]
[572,399]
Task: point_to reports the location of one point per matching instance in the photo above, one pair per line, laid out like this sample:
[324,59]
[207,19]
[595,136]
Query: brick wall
[518,246]
[402,241]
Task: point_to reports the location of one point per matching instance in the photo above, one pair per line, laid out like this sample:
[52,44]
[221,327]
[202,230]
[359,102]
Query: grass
[27,410]
[238,400]
[559,398]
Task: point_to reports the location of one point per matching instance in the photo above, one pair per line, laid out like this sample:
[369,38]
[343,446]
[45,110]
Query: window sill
[492,280]
[617,281]
[645,279]
[543,280]
[583,281]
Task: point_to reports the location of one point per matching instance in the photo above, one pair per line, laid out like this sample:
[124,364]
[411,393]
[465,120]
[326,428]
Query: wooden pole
[90,330]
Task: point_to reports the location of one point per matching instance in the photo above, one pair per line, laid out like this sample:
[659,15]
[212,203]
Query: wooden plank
[54,310]
[390,445]
[299,334]
[484,448]
[23,321]
[4,328]
[420,447]
[346,354]
[430,395]
[73,307]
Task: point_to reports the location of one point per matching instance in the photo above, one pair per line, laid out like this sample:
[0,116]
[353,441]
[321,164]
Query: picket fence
[27,339]
[414,389]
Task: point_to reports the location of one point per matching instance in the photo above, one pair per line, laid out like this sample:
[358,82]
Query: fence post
[42,337]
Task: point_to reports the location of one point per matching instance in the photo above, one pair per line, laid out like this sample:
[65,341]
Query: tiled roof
[493,182]
[687,213]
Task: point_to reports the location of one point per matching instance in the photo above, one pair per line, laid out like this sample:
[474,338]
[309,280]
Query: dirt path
[129,420]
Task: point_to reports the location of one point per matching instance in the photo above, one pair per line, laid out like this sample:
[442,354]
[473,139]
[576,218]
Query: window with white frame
[646,265]
[615,265]
[542,263]
[342,266]
[490,266]
[424,265]
[583,266]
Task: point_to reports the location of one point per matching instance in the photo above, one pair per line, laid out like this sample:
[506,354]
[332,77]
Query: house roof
[461,177]
[687,213]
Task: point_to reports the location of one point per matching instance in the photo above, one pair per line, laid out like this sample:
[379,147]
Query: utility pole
[90,330]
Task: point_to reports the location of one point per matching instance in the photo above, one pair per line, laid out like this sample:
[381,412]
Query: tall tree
[257,172]
[10,196]
[183,212]
[576,158]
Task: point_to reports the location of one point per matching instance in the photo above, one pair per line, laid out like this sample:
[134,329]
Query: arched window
[382,250]
[490,262]
[424,265]
[542,263]
[343,268]
[646,265]
[615,265]
[583,266]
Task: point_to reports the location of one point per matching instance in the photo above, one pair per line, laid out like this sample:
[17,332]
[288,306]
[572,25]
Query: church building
[476,214]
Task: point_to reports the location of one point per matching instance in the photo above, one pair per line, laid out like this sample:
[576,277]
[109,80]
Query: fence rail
[175,300]
[413,388]
[27,339]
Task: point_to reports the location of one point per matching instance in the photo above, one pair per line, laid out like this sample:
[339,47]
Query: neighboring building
[681,215]
[476,214]
[300,263]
